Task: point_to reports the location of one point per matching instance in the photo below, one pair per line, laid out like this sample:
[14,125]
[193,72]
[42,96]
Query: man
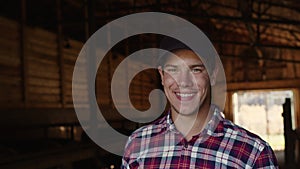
[194,133]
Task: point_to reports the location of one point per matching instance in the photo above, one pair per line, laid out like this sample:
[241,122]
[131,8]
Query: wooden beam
[37,117]
[60,52]
[272,84]
[24,61]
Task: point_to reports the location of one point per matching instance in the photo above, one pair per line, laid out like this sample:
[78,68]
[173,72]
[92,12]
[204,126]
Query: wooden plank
[289,71]
[41,59]
[83,99]
[8,23]
[43,82]
[43,75]
[228,69]
[43,90]
[10,35]
[69,68]
[70,58]
[41,47]
[71,52]
[75,44]
[40,66]
[69,78]
[271,84]
[41,42]
[69,105]
[10,80]
[10,60]
[80,92]
[9,44]
[81,105]
[9,71]
[41,34]
[42,50]
[8,94]
[38,98]
[275,73]
[44,105]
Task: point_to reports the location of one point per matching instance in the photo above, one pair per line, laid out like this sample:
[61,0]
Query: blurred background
[258,42]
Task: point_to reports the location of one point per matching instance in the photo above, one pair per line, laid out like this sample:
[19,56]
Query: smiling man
[193,134]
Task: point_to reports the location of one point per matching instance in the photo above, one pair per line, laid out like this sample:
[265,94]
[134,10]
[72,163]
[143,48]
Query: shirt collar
[214,127]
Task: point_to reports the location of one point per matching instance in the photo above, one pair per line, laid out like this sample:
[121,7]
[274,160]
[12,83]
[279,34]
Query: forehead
[183,56]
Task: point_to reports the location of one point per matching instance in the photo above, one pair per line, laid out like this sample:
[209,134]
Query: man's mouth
[185,96]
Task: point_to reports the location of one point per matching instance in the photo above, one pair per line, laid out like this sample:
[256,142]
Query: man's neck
[191,125]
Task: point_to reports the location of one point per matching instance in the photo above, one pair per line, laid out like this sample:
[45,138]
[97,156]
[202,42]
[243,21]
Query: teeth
[185,94]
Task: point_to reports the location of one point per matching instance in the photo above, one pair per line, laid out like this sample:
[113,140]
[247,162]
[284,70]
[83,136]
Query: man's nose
[185,79]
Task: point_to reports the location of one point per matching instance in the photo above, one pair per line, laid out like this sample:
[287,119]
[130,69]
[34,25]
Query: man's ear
[213,77]
[161,73]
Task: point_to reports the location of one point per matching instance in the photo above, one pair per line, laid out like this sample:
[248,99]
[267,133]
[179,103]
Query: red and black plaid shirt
[221,144]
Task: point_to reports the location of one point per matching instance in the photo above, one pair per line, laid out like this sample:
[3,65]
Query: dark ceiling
[265,23]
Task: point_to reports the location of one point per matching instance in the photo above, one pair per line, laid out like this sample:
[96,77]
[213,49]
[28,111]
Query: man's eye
[197,70]
[171,70]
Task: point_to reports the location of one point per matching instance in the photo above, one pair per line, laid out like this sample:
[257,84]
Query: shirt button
[186,145]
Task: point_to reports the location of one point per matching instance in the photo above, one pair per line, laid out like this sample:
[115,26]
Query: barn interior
[258,42]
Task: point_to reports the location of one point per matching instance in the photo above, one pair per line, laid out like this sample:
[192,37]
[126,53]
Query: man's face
[186,82]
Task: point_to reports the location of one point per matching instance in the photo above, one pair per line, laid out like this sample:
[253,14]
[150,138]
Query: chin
[186,111]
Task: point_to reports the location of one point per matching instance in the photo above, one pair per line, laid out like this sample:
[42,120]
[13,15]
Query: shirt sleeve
[266,159]
[128,161]
[126,155]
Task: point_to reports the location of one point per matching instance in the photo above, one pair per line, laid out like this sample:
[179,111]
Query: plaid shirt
[221,144]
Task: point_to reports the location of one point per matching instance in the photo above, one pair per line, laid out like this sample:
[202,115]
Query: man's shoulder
[243,135]
[150,129]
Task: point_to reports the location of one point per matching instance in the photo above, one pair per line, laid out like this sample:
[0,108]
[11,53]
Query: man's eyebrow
[170,65]
[197,65]
[190,66]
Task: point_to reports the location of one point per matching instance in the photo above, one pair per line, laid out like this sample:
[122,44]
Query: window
[261,113]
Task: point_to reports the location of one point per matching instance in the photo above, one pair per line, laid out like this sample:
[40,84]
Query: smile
[185,94]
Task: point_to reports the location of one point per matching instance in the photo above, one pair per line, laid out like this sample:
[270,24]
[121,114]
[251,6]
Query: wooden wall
[36,80]
[41,75]
[37,66]
[32,71]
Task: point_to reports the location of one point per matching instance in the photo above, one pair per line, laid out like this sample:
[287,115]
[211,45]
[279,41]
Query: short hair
[172,45]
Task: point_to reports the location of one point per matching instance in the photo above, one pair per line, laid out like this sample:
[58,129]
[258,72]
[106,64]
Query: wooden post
[91,69]
[24,61]
[289,152]
[72,132]
[60,52]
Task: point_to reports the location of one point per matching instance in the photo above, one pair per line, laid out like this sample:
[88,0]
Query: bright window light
[261,113]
